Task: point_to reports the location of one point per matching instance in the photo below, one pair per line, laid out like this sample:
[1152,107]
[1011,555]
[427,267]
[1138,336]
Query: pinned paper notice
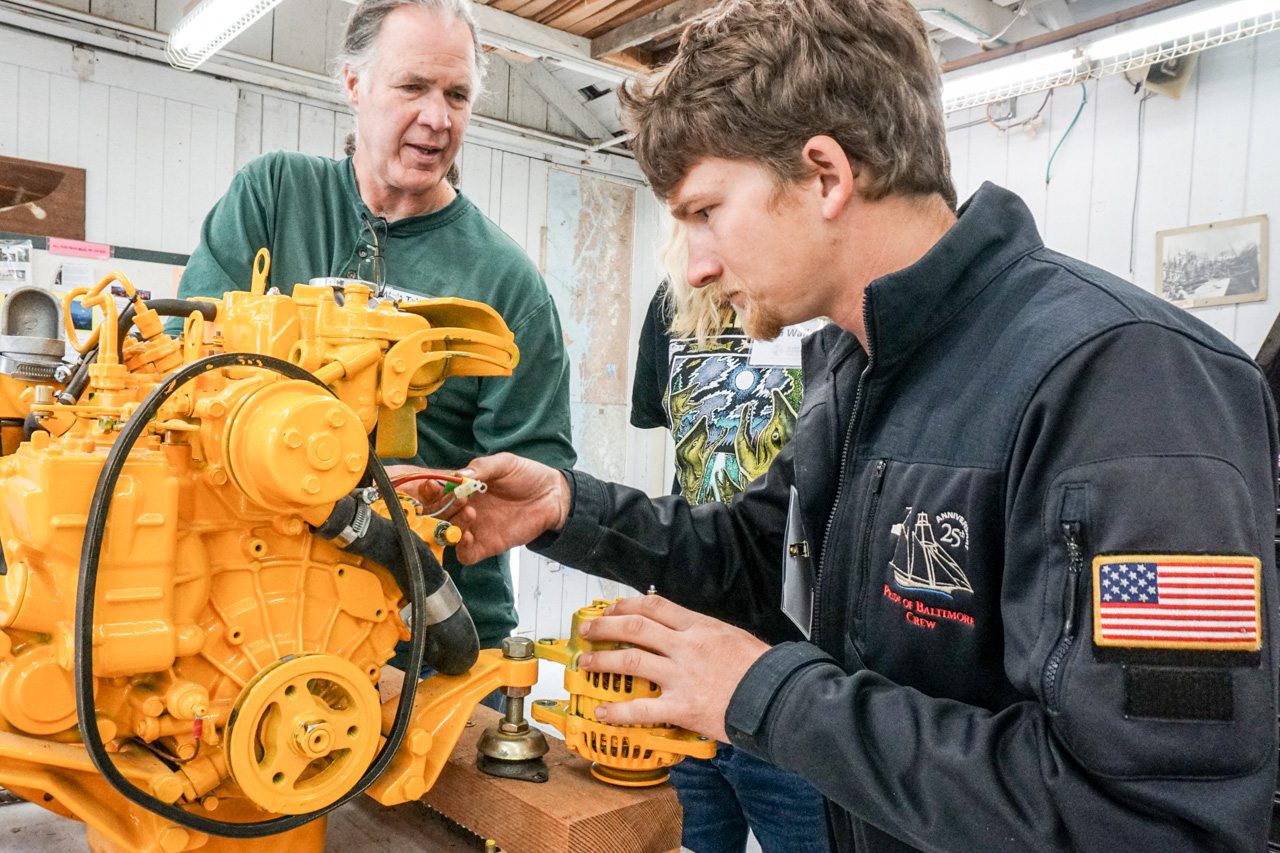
[79,249]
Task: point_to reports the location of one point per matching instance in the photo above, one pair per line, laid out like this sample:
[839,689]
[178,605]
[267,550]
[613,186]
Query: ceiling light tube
[1187,34]
[1010,81]
[209,26]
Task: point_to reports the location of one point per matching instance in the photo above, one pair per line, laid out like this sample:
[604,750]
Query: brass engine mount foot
[513,749]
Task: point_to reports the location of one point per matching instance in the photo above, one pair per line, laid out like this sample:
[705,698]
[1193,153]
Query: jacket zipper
[864,550]
[1071,533]
[821,573]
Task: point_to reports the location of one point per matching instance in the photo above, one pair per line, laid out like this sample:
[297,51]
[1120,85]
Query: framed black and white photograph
[1219,263]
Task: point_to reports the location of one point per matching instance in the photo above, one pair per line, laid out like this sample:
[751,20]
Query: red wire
[440,478]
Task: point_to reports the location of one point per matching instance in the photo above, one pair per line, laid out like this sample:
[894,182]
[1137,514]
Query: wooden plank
[1164,192]
[255,41]
[315,130]
[91,155]
[248,127]
[561,98]
[513,201]
[225,159]
[33,114]
[148,155]
[205,189]
[344,123]
[8,109]
[570,813]
[1029,154]
[1115,167]
[140,13]
[78,5]
[300,35]
[1262,186]
[122,166]
[279,124]
[663,22]
[174,234]
[1220,151]
[524,105]
[478,174]
[64,119]
[1066,226]
[590,15]
[496,90]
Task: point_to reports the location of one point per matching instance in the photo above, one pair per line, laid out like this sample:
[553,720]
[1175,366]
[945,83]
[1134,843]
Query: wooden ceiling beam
[590,15]
[664,21]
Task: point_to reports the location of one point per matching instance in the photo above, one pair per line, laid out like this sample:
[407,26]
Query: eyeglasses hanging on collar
[373,266]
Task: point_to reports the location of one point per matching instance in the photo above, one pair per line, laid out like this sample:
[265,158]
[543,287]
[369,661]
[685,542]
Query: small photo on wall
[1219,263]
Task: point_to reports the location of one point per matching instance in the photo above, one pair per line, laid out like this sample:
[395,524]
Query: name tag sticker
[797,570]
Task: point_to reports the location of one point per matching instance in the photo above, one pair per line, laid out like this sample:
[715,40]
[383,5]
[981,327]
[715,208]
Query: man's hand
[524,499]
[696,660]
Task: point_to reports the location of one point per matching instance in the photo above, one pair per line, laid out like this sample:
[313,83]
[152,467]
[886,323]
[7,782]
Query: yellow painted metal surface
[632,756]
[235,654]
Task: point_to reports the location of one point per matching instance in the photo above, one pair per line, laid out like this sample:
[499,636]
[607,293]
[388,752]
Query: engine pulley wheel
[303,732]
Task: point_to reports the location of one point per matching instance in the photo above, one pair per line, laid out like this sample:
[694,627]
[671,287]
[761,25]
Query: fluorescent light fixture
[1135,48]
[1165,40]
[209,26]
[1009,81]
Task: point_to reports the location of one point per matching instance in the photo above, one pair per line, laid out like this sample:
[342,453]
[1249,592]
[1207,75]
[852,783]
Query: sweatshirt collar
[410,224]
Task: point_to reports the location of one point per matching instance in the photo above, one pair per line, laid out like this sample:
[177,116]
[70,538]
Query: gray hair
[359,41]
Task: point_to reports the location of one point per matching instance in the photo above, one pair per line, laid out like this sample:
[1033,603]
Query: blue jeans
[724,796]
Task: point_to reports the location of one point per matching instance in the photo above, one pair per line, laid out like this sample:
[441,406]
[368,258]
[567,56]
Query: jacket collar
[905,308]
[410,224]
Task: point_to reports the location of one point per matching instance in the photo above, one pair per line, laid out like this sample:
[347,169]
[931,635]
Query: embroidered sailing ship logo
[921,562]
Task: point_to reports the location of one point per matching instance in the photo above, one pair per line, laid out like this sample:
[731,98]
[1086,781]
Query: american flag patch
[1177,601]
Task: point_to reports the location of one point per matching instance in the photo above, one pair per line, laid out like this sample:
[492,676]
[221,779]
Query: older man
[411,70]
[1024,528]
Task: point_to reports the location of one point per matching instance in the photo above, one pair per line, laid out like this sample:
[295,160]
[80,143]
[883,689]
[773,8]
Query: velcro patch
[1177,601]
[1178,694]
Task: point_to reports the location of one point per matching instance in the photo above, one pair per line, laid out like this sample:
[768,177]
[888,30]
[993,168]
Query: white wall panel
[279,124]
[122,166]
[33,114]
[175,233]
[148,169]
[315,130]
[9,109]
[64,119]
[95,117]
[1206,156]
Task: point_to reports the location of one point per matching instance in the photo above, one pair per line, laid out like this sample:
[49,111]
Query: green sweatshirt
[308,212]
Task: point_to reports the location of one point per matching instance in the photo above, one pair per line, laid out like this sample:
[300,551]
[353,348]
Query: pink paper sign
[79,249]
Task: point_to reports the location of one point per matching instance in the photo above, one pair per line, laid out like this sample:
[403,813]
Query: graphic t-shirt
[730,403]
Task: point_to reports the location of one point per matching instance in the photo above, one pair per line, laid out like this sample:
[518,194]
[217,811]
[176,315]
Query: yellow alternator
[303,732]
[631,756]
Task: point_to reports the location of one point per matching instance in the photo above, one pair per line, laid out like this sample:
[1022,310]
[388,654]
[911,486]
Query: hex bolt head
[517,648]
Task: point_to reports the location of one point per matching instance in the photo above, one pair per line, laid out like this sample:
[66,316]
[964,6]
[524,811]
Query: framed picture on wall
[1220,263]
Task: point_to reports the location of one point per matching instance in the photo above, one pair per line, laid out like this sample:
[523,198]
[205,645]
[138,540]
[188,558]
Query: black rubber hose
[79,378]
[86,596]
[452,643]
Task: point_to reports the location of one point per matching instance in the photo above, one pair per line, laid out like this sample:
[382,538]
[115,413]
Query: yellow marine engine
[202,574]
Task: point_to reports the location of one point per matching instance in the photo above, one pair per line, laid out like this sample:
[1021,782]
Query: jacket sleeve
[528,413]
[1152,444]
[720,559]
[237,226]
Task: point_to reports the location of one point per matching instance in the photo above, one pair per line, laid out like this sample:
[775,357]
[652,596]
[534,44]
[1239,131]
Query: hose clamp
[442,603]
[358,527]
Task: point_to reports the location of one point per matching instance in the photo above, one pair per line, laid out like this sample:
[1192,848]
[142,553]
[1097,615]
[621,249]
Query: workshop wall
[1127,171]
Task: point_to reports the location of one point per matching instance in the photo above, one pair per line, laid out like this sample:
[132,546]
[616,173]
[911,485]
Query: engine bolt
[292,438]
